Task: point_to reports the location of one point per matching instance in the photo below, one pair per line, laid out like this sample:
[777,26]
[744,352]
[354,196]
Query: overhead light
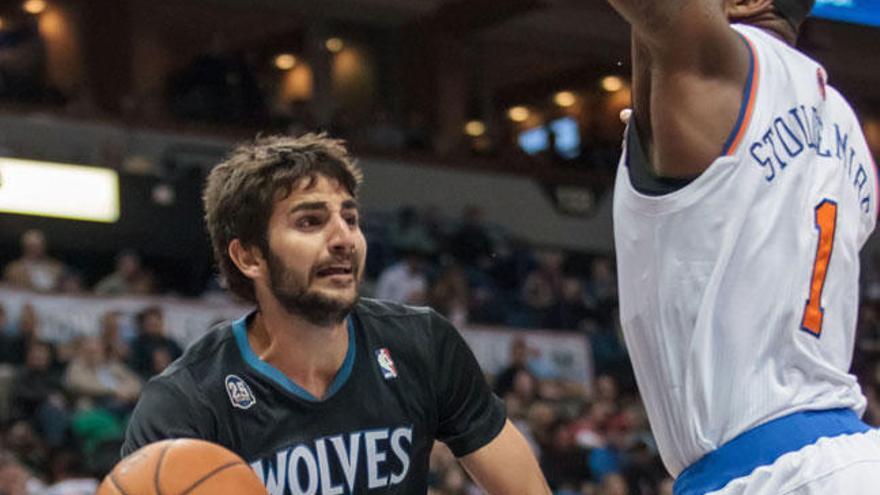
[2,23]
[612,84]
[285,61]
[475,128]
[34,6]
[59,190]
[564,99]
[335,45]
[518,114]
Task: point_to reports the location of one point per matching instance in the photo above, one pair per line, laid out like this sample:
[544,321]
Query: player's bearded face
[316,253]
[297,294]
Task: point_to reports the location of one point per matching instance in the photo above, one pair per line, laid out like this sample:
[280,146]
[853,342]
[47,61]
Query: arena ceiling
[537,43]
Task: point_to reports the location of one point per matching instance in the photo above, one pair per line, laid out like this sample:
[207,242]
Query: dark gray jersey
[408,378]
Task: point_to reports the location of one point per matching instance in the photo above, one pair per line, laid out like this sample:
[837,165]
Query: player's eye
[308,221]
[352,219]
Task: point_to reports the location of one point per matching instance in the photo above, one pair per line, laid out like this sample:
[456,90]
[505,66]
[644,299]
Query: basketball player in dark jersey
[320,391]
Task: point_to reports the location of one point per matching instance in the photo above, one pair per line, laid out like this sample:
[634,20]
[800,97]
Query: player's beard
[294,295]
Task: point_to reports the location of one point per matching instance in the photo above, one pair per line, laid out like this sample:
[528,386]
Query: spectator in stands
[609,353]
[524,390]
[38,394]
[130,277]
[15,345]
[405,281]
[35,269]
[68,474]
[151,346]
[449,294]
[591,426]
[447,475]
[664,487]
[71,283]
[5,335]
[601,289]
[541,416]
[642,468]
[542,290]
[519,354]
[572,305]
[435,225]
[606,388]
[98,382]
[407,233]
[25,444]
[114,345]
[613,484]
[471,243]
[563,461]
[15,479]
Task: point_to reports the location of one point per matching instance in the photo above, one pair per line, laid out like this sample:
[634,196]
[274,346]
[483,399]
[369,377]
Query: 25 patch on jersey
[239,392]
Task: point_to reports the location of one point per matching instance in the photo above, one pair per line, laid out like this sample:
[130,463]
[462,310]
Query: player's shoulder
[376,308]
[772,50]
[201,353]
[386,316]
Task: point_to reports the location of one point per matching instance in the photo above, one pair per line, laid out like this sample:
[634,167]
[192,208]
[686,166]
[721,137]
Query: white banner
[553,354]
[64,317]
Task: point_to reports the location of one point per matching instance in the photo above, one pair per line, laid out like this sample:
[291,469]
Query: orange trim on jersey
[748,105]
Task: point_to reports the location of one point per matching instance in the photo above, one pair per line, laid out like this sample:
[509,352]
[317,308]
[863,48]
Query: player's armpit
[163,411]
[506,465]
[676,29]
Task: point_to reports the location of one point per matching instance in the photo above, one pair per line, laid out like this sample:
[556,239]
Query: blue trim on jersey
[746,101]
[762,445]
[239,329]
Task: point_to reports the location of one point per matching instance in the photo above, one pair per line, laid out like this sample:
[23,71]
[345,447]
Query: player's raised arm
[676,31]
[689,71]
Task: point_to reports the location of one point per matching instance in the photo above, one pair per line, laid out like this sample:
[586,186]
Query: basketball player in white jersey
[744,195]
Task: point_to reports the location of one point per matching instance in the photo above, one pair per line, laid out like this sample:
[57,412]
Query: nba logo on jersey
[386,363]
[239,392]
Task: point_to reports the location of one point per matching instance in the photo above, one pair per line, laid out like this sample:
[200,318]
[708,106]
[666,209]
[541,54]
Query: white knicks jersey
[739,291]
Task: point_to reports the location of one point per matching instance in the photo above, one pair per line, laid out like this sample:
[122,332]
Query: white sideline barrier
[62,317]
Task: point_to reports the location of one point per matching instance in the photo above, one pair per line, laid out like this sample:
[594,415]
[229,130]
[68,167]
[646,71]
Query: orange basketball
[182,466]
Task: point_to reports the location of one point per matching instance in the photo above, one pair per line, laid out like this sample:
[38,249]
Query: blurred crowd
[64,404]
[466,268]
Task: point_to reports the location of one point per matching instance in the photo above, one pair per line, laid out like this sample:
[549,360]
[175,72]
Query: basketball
[182,466]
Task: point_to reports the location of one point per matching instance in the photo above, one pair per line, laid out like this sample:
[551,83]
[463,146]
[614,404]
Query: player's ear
[248,259]
[738,10]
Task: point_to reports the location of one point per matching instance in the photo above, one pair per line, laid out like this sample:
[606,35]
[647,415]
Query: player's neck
[308,354]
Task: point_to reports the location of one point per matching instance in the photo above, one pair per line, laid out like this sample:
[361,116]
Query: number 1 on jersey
[826,224]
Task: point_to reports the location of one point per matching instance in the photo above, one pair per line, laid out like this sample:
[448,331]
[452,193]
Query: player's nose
[342,235]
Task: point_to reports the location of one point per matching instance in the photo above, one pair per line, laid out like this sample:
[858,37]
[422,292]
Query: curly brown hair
[241,192]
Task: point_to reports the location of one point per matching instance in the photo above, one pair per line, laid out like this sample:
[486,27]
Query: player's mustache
[349,260]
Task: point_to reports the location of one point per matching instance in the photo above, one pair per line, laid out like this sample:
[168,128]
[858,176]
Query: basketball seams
[210,474]
[190,467]
[156,484]
[117,485]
